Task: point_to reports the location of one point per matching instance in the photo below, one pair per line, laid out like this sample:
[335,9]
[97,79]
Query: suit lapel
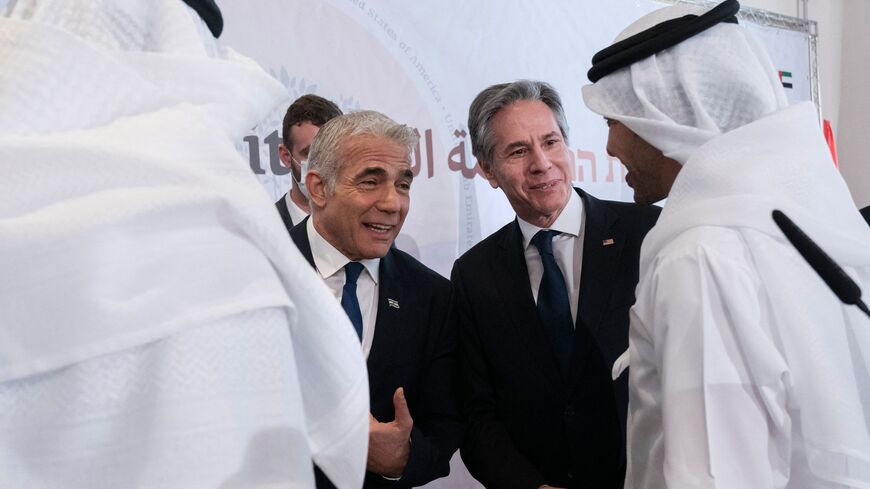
[390,328]
[512,281]
[281,205]
[299,235]
[602,246]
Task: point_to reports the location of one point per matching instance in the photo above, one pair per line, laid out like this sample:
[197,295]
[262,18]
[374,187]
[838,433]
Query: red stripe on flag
[829,137]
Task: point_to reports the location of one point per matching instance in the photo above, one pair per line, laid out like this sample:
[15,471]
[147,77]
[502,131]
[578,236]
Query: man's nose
[539,160]
[390,200]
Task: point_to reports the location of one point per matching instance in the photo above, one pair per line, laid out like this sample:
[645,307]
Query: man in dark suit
[359,183]
[542,307]
[301,123]
[865,212]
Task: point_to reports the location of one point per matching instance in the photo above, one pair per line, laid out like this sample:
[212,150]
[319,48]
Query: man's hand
[390,443]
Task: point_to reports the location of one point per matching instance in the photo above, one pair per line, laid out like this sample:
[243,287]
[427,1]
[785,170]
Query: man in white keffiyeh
[157,326]
[746,370]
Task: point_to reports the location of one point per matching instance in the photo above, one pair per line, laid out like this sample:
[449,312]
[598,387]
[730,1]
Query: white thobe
[157,327]
[746,371]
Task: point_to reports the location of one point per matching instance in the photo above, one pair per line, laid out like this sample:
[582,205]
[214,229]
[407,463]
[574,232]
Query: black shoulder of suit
[415,266]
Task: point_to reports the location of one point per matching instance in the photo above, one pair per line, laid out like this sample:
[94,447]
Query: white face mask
[303,170]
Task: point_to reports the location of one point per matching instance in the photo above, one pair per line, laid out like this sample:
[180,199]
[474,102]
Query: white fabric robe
[746,370]
[157,326]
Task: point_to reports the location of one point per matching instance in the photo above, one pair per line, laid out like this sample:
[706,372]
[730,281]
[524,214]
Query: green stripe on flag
[785,79]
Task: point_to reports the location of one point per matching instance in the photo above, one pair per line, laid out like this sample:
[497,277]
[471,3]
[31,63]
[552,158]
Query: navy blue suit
[414,347]
[528,423]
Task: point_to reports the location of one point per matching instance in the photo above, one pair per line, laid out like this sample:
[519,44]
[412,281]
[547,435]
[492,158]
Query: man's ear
[488,173]
[284,155]
[316,188]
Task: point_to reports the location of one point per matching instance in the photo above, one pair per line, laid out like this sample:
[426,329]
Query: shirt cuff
[394,479]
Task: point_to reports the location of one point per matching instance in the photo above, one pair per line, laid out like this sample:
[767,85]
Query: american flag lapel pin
[607,242]
[393,303]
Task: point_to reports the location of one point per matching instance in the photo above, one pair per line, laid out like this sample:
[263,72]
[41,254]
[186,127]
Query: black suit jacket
[527,423]
[281,205]
[414,347]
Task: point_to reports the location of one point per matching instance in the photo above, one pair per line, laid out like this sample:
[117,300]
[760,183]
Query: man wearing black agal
[543,306]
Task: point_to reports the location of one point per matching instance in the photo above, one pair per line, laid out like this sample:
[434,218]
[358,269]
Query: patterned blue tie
[349,301]
[554,308]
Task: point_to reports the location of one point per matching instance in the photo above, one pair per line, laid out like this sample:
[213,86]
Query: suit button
[569,411]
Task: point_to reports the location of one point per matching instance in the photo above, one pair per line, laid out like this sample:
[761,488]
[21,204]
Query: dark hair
[494,98]
[312,108]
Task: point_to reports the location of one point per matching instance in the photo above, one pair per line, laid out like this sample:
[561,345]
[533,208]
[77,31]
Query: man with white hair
[359,186]
[746,371]
[156,327]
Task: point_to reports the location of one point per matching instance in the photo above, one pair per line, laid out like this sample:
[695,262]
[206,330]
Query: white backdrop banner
[422,63]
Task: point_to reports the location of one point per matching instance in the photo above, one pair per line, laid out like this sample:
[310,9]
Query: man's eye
[368,183]
[405,186]
[518,152]
[551,142]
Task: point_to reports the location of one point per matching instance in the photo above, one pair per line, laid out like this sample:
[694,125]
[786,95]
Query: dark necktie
[349,301]
[554,308]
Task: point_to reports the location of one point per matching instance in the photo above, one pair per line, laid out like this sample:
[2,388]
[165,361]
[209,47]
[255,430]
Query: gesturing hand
[390,443]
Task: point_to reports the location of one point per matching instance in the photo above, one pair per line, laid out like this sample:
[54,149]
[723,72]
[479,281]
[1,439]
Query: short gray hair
[491,100]
[328,145]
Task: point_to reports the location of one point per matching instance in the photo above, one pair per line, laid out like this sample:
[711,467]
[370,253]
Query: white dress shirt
[330,263]
[567,249]
[297,215]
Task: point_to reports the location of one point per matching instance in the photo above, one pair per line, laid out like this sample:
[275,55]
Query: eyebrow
[371,171]
[516,144]
[551,134]
[375,171]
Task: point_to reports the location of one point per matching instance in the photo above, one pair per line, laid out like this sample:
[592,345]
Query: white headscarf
[127,215]
[714,104]
[682,97]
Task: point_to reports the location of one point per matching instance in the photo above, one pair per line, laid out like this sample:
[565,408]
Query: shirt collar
[570,220]
[328,260]
[296,214]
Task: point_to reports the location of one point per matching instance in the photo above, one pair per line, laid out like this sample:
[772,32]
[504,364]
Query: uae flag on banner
[785,78]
